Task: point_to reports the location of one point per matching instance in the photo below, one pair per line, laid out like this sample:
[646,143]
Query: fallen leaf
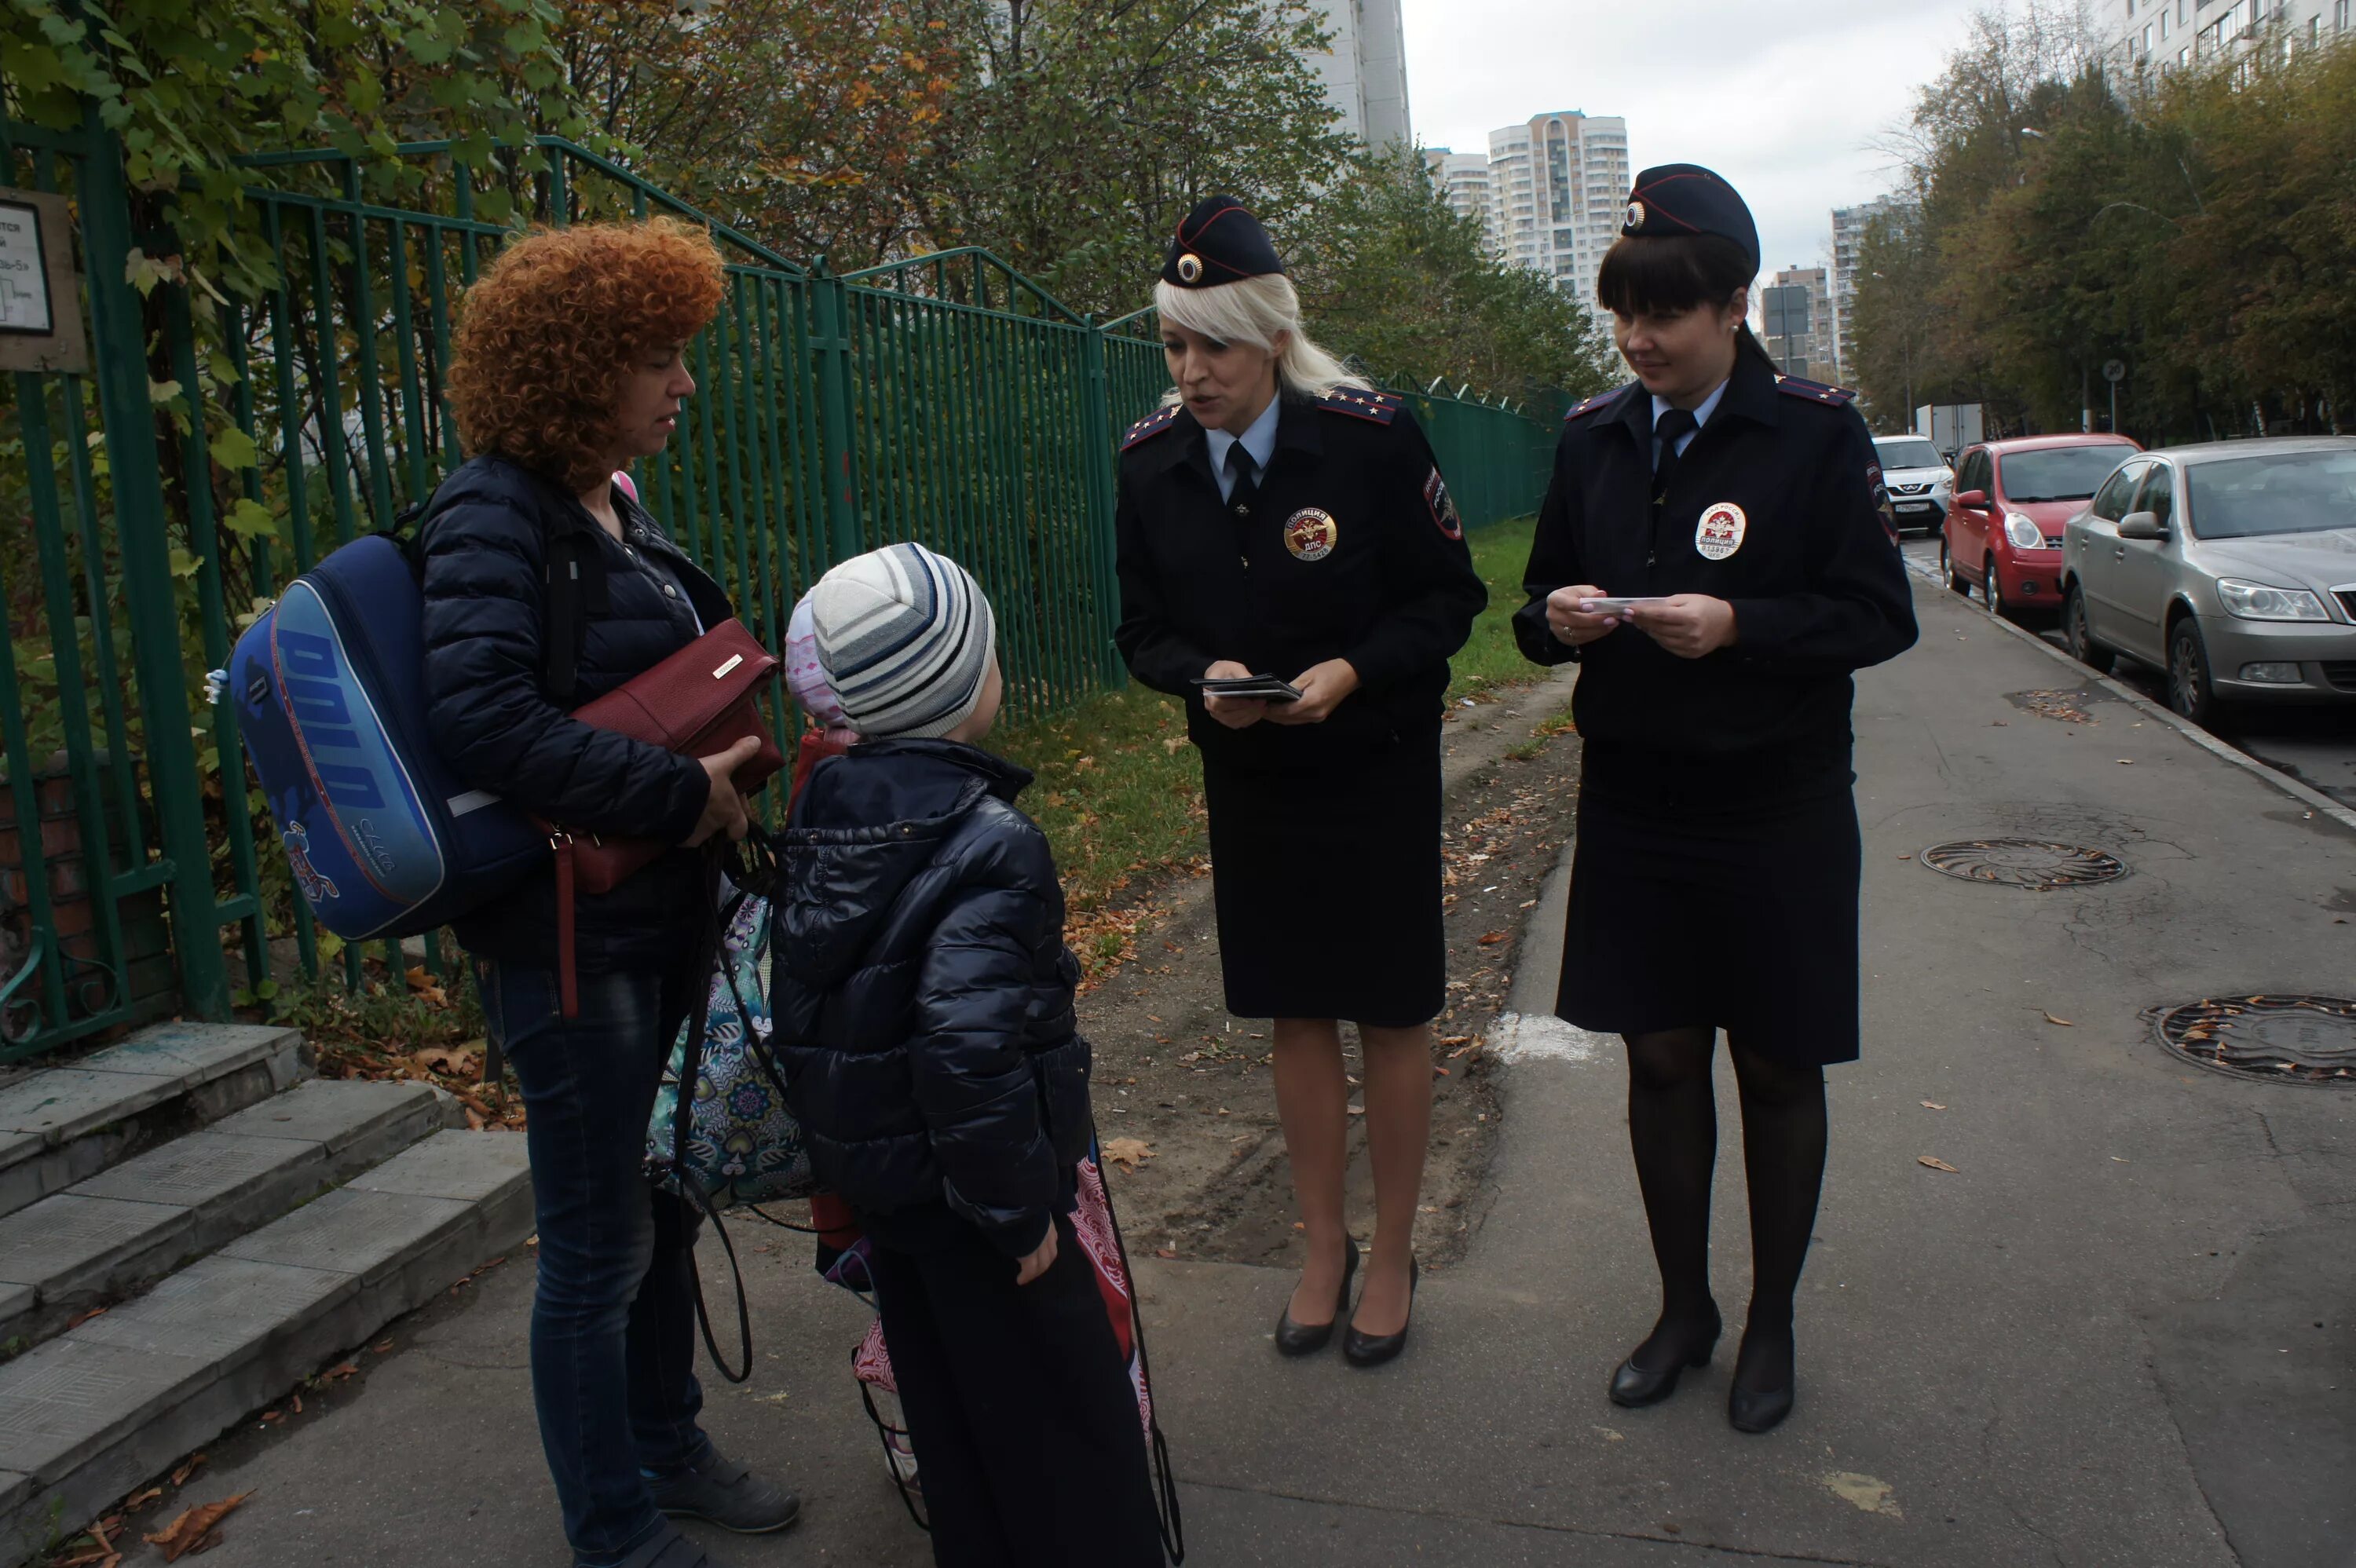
[2065,1023]
[1869,1494]
[296,1401]
[1933,1105]
[1171,743]
[2126,762]
[141,1500]
[80,1319]
[1491,939]
[381,1350]
[347,1369]
[180,1477]
[1906,856]
[1127,1153]
[193,1530]
[1166,1252]
[1936,1164]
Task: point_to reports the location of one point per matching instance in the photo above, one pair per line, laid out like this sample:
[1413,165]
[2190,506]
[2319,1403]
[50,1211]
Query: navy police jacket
[1776,506]
[485,549]
[923,995]
[1352,549]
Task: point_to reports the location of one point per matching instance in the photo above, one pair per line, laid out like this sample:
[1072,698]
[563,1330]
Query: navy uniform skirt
[1743,923]
[1327,886]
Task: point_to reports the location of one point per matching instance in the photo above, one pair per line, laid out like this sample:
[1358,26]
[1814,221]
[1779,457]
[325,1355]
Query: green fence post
[138,480]
[829,342]
[1104,495]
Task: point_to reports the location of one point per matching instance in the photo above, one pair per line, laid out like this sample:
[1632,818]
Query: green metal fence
[947,398]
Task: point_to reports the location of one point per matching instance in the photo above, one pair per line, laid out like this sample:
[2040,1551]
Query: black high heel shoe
[1374,1349]
[1637,1387]
[1760,1410]
[1305,1339]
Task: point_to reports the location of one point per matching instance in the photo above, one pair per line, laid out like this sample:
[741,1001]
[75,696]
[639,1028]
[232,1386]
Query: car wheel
[1947,569]
[2189,690]
[2080,637]
[1992,589]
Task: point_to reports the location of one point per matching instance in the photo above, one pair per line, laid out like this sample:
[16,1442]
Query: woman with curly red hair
[567,367]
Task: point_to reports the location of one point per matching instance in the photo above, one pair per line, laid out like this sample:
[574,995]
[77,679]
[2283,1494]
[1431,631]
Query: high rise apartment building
[1849,226]
[1462,181]
[1365,71]
[2149,36]
[1558,188]
[1796,306]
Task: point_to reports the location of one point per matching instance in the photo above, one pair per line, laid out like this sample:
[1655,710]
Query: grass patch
[1558,723]
[1489,658]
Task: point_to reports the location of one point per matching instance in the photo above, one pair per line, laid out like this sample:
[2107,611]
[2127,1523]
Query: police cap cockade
[1685,199]
[1219,242]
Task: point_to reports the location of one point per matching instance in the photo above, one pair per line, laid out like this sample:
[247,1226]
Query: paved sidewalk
[2118,1334]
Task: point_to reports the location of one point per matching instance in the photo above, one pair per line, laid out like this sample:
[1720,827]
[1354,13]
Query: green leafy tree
[1392,275]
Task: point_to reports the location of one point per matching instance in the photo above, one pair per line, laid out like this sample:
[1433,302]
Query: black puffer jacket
[923,992]
[486,553]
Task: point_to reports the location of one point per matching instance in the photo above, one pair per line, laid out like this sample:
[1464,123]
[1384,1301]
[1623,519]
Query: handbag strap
[1165,1481]
[712,950]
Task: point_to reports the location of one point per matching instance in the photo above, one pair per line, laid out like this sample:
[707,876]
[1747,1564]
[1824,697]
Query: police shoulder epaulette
[1379,407]
[1815,391]
[1593,404]
[1152,425]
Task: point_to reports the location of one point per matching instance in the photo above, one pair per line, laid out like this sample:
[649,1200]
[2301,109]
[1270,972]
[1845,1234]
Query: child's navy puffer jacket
[923,992]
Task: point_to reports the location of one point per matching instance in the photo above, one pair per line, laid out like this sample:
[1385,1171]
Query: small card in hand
[1267,688]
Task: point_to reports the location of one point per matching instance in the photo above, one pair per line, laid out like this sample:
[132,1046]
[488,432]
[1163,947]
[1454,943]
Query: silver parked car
[2232,566]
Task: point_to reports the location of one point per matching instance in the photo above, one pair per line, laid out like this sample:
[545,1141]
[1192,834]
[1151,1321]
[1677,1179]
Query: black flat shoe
[1374,1349]
[1637,1387]
[1761,1410]
[1305,1339]
[1758,1412]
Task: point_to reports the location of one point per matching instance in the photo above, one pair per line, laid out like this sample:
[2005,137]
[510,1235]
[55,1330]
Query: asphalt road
[2316,746]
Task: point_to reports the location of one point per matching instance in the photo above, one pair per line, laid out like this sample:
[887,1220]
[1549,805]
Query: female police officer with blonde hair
[1280,518]
[1715,880]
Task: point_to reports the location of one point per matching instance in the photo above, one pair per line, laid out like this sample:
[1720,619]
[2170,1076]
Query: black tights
[1673,1125]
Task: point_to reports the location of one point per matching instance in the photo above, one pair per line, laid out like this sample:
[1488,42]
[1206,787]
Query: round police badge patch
[1719,532]
[1190,267]
[1312,533]
[1635,217]
[1442,506]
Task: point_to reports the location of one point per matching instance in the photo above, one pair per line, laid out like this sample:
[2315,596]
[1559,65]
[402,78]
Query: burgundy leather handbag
[698,702]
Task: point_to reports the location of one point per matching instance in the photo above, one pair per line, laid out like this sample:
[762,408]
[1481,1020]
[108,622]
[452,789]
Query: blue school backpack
[384,839]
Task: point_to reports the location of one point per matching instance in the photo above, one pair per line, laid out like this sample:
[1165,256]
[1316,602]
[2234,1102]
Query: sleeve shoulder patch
[1152,425]
[1815,391]
[1442,506]
[1378,407]
[1595,404]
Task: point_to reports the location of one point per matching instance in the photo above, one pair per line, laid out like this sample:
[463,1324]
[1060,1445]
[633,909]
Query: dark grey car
[2232,566]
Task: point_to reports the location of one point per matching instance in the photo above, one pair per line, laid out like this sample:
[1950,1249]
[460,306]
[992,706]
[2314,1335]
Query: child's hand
[1040,1262]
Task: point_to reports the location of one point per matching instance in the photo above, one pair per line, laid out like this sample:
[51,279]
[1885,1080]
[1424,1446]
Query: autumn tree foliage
[2197,224]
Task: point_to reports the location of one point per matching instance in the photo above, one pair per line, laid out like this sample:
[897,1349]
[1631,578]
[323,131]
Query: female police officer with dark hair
[1714,883]
[1280,518]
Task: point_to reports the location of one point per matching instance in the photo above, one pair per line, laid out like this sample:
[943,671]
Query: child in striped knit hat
[923,999]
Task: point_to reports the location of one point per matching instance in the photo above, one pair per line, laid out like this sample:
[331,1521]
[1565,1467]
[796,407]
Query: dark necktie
[1672,426]
[1241,493]
[1668,429]
[1242,474]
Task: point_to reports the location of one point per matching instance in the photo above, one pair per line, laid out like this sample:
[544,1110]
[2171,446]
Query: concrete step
[114,1235]
[63,1125]
[96,1412]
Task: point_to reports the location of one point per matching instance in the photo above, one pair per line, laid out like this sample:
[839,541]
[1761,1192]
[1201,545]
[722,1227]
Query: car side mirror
[1974,498]
[2142,525]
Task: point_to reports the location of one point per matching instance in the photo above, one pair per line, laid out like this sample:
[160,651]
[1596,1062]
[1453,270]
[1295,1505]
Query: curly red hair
[546,331]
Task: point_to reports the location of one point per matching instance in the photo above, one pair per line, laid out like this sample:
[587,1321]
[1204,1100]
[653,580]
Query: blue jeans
[613,1326]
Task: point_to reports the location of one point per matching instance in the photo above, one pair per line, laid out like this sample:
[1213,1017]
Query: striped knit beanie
[907,638]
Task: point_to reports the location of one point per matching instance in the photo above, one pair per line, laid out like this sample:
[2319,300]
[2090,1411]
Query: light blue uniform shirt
[1260,440]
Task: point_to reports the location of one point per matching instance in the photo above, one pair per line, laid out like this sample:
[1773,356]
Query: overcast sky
[1779,96]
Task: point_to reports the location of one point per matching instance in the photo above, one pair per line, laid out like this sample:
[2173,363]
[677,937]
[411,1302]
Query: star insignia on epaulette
[1815,391]
[1381,408]
[1592,404]
[1150,425]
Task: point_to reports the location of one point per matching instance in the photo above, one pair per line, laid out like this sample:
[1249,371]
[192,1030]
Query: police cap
[1219,242]
[1685,199]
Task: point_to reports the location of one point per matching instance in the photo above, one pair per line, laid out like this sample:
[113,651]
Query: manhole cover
[2297,1040]
[2023,863]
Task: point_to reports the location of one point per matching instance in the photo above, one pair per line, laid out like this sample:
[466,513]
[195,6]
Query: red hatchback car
[2003,534]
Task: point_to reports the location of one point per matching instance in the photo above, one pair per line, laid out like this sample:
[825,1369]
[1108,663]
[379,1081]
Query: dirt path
[1175,1070]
